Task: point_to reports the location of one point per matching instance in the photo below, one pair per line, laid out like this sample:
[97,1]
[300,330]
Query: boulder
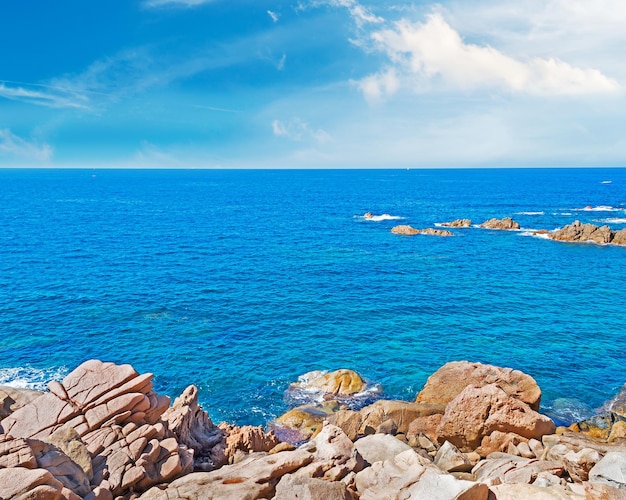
[334,455]
[458,223]
[246,439]
[405,230]
[478,411]
[293,487]
[402,413]
[192,427]
[500,441]
[449,380]
[338,383]
[501,468]
[450,459]
[577,232]
[388,478]
[68,441]
[305,420]
[505,224]
[26,484]
[429,231]
[435,485]
[533,492]
[611,470]
[12,399]
[426,426]
[619,237]
[379,447]
[256,476]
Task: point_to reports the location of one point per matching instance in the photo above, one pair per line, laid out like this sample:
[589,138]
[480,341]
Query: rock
[502,468]
[478,411]
[307,420]
[410,231]
[575,442]
[500,441]
[12,399]
[450,459]
[435,485]
[247,439]
[379,447]
[611,470]
[29,484]
[436,232]
[577,463]
[254,477]
[458,223]
[193,427]
[116,414]
[577,232]
[334,455]
[505,223]
[15,452]
[69,442]
[426,426]
[293,487]
[618,432]
[449,380]
[402,413]
[388,478]
[338,383]
[525,450]
[619,237]
[532,492]
[405,230]
[349,421]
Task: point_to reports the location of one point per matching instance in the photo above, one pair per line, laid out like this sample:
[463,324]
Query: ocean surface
[241,281]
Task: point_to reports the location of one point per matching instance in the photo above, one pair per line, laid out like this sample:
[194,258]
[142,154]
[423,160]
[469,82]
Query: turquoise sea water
[240,281]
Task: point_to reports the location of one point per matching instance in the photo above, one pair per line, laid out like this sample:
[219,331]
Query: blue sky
[312,83]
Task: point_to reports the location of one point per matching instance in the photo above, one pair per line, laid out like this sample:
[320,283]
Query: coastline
[473,429]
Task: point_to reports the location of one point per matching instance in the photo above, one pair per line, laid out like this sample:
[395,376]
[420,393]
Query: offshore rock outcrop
[578,232]
[504,224]
[407,230]
[458,223]
[474,432]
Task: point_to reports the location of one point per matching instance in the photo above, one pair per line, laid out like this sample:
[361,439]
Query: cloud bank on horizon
[314,84]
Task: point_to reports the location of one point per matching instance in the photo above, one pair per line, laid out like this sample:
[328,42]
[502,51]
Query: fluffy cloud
[273,15]
[298,130]
[434,52]
[15,147]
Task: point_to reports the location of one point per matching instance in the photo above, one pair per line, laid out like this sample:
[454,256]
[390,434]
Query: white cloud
[281,64]
[15,147]
[360,14]
[434,52]
[374,87]
[43,95]
[298,130]
[273,15]
[174,3]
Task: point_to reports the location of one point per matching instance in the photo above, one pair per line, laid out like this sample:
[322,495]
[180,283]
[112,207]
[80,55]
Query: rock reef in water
[504,224]
[407,230]
[473,432]
[578,232]
[458,223]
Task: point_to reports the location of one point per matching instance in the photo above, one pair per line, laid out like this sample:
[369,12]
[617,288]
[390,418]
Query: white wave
[606,182]
[529,213]
[612,220]
[533,233]
[563,213]
[600,208]
[30,378]
[378,218]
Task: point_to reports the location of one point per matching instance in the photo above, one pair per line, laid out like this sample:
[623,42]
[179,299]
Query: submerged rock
[407,230]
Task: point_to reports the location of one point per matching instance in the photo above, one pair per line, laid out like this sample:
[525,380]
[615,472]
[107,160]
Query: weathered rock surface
[29,484]
[458,223]
[337,383]
[116,415]
[450,459]
[534,492]
[293,487]
[611,470]
[478,411]
[448,381]
[12,399]
[500,468]
[505,224]
[578,232]
[379,447]
[254,477]
[407,230]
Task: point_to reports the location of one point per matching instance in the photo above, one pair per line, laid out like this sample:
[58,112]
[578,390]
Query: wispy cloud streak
[14,146]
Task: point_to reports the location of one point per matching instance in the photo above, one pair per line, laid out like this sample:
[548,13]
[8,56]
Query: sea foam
[30,378]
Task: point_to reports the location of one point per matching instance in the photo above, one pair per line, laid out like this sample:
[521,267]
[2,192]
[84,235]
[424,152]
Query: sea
[240,281]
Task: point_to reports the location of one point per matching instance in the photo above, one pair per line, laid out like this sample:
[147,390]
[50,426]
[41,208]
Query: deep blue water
[240,281]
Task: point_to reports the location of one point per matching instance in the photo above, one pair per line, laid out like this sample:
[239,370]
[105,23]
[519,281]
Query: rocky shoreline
[474,432]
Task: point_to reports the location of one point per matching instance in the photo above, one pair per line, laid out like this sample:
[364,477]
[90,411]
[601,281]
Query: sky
[312,83]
